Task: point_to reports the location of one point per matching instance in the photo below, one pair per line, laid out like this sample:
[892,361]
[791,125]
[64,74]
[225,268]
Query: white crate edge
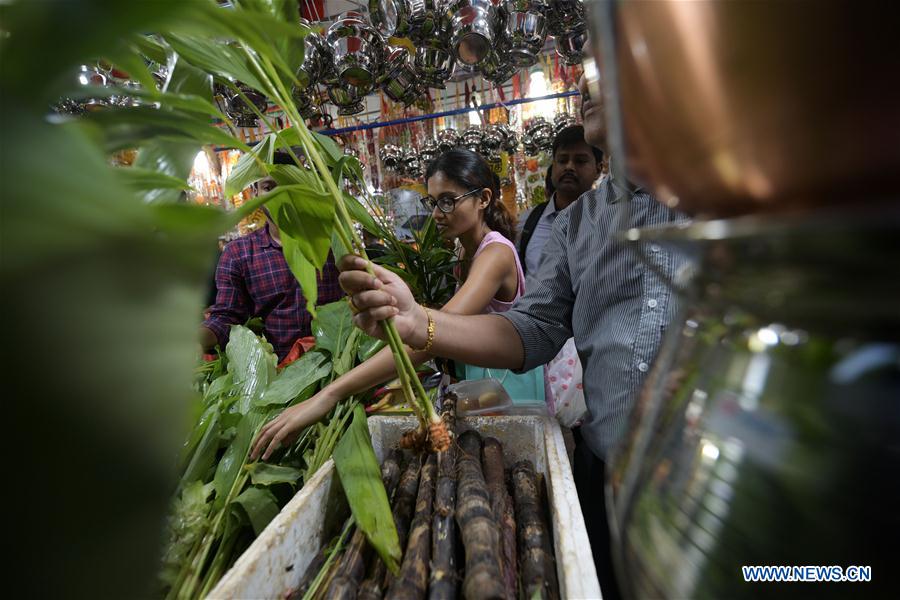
[278,558]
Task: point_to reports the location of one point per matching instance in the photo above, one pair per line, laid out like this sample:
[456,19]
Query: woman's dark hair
[471,171]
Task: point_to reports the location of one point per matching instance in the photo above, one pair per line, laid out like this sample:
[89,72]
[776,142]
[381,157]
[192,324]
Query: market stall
[762,367]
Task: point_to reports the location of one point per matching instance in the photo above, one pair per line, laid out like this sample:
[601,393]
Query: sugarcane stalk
[325,573]
[535,557]
[352,566]
[412,582]
[443,580]
[481,536]
[502,507]
[432,422]
[378,578]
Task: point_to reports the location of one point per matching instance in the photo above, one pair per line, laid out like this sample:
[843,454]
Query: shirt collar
[551,206]
[264,238]
[622,188]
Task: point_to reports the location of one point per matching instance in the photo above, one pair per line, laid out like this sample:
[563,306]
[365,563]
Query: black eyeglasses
[444,204]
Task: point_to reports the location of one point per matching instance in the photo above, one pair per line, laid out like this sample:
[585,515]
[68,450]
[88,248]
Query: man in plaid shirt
[253,280]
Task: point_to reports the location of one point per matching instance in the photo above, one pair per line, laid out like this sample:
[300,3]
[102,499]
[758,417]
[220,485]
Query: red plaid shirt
[253,280]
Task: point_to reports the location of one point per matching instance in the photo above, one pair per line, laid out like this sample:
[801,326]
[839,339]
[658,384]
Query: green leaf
[122,128]
[345,358]
[305,214]
[230,464]
[295,378]
[147,179]
[173,159]
[331,152]
[190,218]
[251,364]
[216,57]
[359,213]
[262,473]
[303,270]
[369,347]
[332,326]
[260,505]
[361,479]
[204,455]
[248,169]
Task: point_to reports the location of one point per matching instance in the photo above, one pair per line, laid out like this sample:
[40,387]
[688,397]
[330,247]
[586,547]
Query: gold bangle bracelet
[429,341]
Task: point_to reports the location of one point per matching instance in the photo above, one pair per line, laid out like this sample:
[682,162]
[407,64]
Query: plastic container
[480,397]
[276,561]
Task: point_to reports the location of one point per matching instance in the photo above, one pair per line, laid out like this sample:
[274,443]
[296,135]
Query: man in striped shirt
[587,285]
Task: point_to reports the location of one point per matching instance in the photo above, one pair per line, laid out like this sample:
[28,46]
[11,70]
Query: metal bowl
[358,51]
[569,45]
[524,30]
[429,151]
[741,107]
[471,138]
[434,64]
[447,139]
[348,98]
[770,412]
[473,25]
[564,15]
[497,68]
[426,23]
[399,81]
[390,156]
[240,112]
[315,58]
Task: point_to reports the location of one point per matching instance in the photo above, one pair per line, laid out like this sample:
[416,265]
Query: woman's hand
[283,430]
[382,297]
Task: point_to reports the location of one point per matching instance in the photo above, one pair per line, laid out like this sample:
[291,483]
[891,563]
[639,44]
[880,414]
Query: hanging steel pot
[411,164]
[471,138]
[510,139]
[524,30]
[315,58]
[434,64]
[561,121]
[426,23]
[390,156]
[564,16]
[240,112]
[390,17]
[540,134]
[399,81]
[348,98]
[428,152]
[497,69]
[569,45]
[473,25]
[492,141]
[358,52]
[447,139]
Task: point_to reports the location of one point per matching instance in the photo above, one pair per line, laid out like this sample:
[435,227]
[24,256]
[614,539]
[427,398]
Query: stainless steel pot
[400,81]
[497,68]
[434,64]
[741,107]
[426,23]
[471,138]
[348,98]
[564,15]
[240,112]
[767,431]
[447,139]
[358,52]
[473,27]
[315,58]
[428,151]
[570,45]
[390,156]
[524,30]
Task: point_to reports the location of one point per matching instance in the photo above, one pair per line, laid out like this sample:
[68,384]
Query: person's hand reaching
[382,297]
[283,430]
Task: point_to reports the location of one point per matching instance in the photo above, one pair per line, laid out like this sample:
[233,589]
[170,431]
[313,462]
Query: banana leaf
[262,473]
[260,505]
[360,476]
[332,327]
[306,215]
[248,169]
[301,374]
[252,366]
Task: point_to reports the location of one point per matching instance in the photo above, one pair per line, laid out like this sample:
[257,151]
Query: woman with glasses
[464,199]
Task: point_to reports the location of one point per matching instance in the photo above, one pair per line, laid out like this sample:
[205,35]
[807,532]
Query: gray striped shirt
[597,289]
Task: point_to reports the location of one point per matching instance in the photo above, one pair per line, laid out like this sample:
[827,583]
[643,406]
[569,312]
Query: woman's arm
[484,281]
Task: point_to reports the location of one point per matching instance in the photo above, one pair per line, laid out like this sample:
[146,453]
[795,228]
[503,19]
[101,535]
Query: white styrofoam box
[275,563]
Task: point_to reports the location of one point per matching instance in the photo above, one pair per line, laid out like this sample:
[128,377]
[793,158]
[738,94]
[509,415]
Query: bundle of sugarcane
[463,532]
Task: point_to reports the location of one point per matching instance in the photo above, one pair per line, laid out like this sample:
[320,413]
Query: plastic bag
[564,377]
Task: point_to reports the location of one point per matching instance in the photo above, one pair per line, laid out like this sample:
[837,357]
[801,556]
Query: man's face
[593,116]
[574,169]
